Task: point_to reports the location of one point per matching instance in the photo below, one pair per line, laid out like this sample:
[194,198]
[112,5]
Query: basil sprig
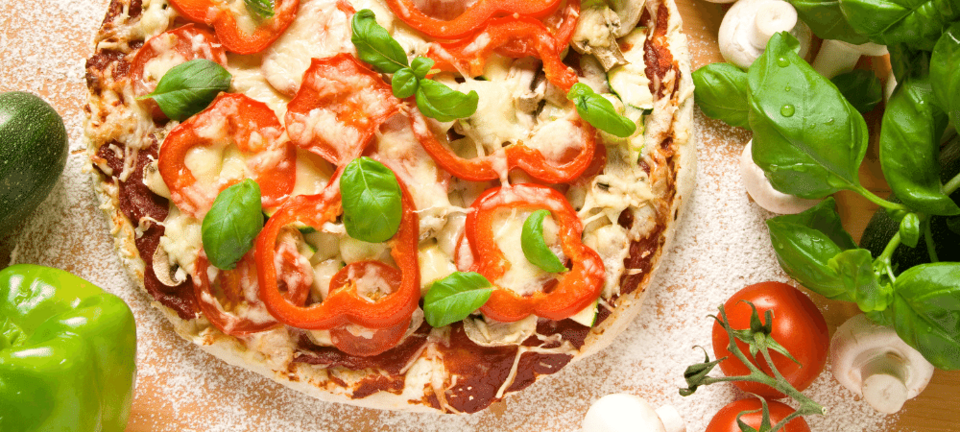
[232,224]
[376,47]
[372,206]
[188,88]
[262,8]
[599,112]
[454,297]
[810,141]
[535,248]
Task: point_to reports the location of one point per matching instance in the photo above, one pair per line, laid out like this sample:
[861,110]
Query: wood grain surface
[937,409]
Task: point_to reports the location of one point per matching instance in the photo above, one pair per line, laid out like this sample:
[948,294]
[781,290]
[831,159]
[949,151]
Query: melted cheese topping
[522,276]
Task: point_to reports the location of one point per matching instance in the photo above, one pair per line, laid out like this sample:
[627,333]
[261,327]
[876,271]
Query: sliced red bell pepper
[576,288]
[472,19]
[343,306]
[339,107]
[230,119]
[374,341]
[560,25]
[230,282]
[484,168]
[180,45]
[219,15]
[524,37]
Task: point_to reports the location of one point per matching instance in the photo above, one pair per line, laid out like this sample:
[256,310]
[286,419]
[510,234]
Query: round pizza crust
[673,120]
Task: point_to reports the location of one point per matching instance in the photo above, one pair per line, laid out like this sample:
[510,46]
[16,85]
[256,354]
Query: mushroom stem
[883,383]
[671,419]
[837,57]
[763,192]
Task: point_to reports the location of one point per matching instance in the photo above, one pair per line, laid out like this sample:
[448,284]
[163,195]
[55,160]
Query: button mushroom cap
[873,362]
[628,413]
[837,57]
[763,192]
[748,25]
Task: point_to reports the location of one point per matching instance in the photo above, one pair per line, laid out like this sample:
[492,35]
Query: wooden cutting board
[936,410]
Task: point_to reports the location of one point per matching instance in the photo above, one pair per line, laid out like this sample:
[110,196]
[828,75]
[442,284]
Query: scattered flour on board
[721,246]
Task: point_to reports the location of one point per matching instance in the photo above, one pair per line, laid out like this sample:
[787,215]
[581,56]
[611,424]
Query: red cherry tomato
[725,420]
[797,325]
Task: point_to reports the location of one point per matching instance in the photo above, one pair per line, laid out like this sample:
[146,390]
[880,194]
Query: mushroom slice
[629,12]
[596,33]
[489,333]
[873,362]
[169,274]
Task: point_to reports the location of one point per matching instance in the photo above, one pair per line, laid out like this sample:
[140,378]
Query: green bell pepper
[67,353]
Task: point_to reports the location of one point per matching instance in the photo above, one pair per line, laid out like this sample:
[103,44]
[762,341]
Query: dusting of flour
[721,246]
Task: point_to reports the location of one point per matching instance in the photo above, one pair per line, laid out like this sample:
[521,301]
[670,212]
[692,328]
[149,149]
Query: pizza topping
[435,100]
[472,18]
[574,289]
[347,305]
[339,108]
[238,29]
[162,52]
[188,88]
[470,55]
[232,224]
[232,120]
[599,112]
[372,280]
[322,30]
[371,200]
[228,283]
[454,297]
[495,166]
[534,244]
[489,333]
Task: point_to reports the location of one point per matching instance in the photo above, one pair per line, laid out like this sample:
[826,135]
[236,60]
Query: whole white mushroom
[763,192]
[873,362]
[748,25]
[628,413]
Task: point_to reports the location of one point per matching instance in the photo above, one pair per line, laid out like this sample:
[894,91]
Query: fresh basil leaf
[813,248]
[455,297]
[926,312]
[720,90]
[808,139]
[372,206]
[374,44]
[910,148]
[421,66]
[188,88]
[535,248]
[405,83]
[910,230]
[232,224]
[599,112]
[436,100]
[823,217]
[861,87]
[826,20]
[917,23]
[263,8]
[944,64]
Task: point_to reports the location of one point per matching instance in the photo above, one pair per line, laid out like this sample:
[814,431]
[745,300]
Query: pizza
[344,317]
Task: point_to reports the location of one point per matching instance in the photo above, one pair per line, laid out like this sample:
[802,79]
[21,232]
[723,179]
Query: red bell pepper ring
[219,15]
[378,340]
[257,133]
[576,288]
[560,25]
[342,306]
[176,46]
[472,19]
[230,282]
[484,168]
[524,37]
[339,108]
